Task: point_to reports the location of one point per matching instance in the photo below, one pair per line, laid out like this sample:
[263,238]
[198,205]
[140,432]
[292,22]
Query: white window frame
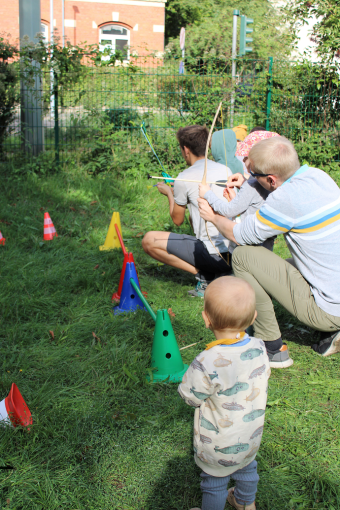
[113,39]
[45,33]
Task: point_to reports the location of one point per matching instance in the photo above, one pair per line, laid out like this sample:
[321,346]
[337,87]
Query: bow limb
[204,180]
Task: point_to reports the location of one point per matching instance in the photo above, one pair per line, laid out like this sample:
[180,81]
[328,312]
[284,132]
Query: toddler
[227,384]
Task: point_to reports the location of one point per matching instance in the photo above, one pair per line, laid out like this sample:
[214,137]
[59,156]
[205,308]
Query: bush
[9,91]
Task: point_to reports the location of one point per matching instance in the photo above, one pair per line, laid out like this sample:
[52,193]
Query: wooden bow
[204,180]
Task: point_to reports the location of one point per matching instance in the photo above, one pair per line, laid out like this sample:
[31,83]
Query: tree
[326,31]
[209,28]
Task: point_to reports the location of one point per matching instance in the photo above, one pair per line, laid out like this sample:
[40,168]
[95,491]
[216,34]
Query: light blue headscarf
[219,150]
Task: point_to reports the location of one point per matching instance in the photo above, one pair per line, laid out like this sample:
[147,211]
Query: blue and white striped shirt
[306,209]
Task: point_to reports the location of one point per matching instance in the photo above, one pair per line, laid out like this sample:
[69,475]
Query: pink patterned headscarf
[250,140]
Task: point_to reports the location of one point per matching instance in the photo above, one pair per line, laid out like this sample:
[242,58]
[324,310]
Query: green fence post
[269,92]
[56,121]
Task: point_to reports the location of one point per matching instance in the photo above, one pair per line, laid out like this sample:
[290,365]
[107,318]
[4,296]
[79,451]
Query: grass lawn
[103,438]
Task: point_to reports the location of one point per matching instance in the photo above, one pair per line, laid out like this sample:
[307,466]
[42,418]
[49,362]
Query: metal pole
[236,13]
[63,21]
[51,72]
[31,104]
[56,122]
[269,92]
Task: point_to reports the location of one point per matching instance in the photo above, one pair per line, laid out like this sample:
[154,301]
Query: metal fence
[110,103]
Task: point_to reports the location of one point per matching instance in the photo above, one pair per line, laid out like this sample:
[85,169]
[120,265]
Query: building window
[44,31]
[114,38]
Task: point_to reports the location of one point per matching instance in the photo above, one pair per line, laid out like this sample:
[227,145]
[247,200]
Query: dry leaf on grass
[171,313]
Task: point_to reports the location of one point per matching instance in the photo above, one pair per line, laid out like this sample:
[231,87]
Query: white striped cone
[49,230]
[2,239]
[14,410]
[4,414]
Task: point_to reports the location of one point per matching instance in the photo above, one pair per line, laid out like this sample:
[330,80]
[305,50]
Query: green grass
[103,439]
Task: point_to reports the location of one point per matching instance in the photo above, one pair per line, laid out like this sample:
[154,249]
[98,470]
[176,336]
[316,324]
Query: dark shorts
[194,252]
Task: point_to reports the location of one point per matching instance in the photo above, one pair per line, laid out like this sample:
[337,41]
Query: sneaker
[280,358]
[198,291]
[232,501]
[329,345]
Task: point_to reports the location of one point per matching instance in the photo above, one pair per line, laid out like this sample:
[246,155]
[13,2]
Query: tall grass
[103,437]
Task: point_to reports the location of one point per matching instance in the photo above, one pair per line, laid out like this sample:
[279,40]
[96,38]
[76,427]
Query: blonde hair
[274,156]
[229,302]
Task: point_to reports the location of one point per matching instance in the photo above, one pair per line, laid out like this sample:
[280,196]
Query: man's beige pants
[272,277]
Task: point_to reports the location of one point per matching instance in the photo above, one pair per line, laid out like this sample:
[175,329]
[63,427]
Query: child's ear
[206,320]
[254,318]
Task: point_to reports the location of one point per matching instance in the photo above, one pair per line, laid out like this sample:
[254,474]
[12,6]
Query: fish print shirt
[227,385]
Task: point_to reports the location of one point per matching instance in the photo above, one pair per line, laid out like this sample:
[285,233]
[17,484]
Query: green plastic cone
[166,359]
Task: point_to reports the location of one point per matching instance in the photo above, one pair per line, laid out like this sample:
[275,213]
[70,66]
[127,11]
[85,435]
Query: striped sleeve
[265,223]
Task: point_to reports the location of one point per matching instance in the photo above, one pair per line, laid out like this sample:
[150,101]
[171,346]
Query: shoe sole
[281,364]
[334,347]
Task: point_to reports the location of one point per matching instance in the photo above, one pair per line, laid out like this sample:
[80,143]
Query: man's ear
[186,150]
[206,319]
[272,181]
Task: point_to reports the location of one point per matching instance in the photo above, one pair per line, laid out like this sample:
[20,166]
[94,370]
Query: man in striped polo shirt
[304,205]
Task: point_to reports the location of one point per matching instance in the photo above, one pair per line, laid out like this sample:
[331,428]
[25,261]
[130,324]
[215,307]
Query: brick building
[129,25]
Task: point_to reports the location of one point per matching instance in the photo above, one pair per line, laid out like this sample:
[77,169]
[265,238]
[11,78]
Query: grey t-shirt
[186,193]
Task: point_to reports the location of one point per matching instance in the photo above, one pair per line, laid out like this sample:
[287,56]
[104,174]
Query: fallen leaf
[52,334]
[140,234]
[93,202]
[103,273]
[77,355]
[171,313]
[95,336]
[41,208]
[72,208]
[14,205]
[6,222]
[83,213]
[96,267]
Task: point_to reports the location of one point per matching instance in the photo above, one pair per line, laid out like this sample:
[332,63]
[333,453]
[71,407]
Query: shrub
[9,91]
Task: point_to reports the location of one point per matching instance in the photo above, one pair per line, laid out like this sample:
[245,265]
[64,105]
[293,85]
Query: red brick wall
[85,13]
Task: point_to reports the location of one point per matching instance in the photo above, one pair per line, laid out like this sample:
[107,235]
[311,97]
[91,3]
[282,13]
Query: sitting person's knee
[147,242]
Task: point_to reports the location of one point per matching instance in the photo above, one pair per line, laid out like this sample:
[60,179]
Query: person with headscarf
[250,197]
[256,135]
[223,148]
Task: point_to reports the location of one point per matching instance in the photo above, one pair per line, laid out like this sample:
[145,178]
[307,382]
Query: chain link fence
[109,104]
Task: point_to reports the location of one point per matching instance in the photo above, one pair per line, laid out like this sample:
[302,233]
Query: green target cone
[166,359]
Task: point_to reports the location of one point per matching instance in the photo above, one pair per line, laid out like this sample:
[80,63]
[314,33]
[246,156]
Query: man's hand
[235,180]
[164,188]
[229,193]
[206,211]
[203,188]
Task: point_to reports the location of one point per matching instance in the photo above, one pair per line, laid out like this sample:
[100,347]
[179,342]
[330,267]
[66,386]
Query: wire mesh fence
[109,104]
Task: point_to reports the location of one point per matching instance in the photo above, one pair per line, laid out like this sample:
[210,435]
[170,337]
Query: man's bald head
[229,302]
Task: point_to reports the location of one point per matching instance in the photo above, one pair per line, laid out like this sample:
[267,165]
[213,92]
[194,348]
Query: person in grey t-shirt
[195,254]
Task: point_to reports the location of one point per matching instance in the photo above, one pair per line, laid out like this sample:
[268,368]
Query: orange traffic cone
[49,230]
[14,410]
[2,239]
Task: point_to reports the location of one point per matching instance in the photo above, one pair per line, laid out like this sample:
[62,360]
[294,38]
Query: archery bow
[204,180]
